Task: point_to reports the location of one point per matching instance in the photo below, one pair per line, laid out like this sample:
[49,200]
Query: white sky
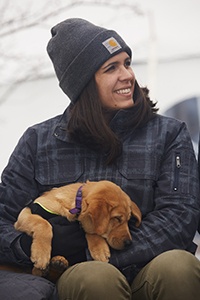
[174,24]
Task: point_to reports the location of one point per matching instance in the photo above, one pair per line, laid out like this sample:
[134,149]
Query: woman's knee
[93,280]
[175,262]
[174,274]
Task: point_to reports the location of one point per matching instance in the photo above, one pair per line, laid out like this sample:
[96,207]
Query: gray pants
[173,275]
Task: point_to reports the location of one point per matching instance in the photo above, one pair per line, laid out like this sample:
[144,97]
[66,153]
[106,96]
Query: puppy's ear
[135,211]
[94,216]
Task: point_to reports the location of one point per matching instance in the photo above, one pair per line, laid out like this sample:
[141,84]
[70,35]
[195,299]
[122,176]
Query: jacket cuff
[21,256]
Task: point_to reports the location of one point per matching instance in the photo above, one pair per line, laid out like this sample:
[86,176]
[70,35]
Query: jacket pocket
[139,171]
[139,163]
[58,167]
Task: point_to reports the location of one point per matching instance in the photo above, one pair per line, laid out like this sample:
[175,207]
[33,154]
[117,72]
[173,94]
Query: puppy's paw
[40,256]
[41,259]
[100,254]
[59,263]
[98,247]
[40,262]
[57,266]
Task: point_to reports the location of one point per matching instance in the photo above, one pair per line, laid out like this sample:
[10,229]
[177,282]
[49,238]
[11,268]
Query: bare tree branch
[17,18]
[37,18]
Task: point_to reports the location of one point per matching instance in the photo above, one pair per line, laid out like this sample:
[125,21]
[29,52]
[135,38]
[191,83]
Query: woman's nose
[126,74]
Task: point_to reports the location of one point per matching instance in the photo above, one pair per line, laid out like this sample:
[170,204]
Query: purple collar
[77,209]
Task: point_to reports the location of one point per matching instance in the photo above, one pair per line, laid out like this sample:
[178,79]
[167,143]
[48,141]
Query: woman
[109,131]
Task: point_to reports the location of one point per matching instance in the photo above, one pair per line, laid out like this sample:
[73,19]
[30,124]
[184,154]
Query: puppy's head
[106,210]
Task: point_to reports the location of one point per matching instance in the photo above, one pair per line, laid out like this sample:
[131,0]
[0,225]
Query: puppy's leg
[98,247]
[41,232]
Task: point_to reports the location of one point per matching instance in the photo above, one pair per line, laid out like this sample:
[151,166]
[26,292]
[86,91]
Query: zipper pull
[178,165]
[178,161]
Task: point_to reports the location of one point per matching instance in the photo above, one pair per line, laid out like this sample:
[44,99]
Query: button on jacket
[157,169]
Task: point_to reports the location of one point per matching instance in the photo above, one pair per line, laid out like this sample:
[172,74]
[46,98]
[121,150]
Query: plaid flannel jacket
[157,168]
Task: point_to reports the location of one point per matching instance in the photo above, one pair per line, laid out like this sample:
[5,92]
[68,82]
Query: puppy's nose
[127,243]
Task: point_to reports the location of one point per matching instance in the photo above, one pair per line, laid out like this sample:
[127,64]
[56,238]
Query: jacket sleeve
[17,189]
[174,219]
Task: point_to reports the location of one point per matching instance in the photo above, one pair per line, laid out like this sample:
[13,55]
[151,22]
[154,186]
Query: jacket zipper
[177,170]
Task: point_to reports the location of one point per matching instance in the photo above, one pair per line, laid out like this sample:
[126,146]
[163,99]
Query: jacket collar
[118,123]
[60,131]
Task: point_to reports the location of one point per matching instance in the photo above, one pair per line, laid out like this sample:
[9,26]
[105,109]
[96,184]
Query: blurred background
[164,37]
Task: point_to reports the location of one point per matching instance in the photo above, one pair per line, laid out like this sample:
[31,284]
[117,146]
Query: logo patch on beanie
[111,45]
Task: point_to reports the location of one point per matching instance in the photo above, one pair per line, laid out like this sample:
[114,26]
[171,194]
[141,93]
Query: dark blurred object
[188,111]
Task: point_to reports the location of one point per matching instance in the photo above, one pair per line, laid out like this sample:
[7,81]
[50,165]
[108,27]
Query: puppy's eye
[118,219]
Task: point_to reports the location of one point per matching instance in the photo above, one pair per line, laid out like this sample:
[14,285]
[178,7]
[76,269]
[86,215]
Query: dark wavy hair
[88,123]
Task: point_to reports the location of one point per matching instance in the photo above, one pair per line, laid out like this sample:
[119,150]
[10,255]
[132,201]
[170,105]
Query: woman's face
[115,82]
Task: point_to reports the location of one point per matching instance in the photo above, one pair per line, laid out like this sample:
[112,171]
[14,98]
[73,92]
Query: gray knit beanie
[78,49]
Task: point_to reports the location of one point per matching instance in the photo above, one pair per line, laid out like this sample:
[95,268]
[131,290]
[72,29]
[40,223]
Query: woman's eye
[111,68]
[128,63]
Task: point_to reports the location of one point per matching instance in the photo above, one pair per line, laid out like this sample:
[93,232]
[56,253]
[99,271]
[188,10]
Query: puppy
[102,208]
